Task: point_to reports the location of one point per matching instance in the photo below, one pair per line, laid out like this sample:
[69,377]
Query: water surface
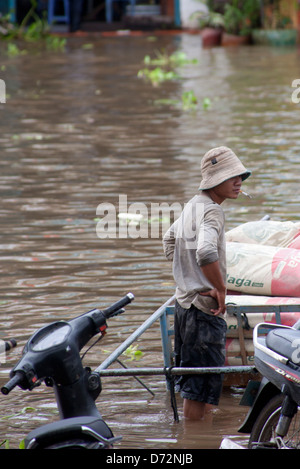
[80,128]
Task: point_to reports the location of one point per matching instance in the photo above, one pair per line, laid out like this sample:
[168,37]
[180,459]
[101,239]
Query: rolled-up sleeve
[169,243]
[208,237]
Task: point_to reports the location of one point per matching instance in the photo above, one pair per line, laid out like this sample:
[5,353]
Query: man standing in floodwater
[196,245]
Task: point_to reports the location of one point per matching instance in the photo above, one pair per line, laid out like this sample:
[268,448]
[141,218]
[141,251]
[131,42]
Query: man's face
[229,189]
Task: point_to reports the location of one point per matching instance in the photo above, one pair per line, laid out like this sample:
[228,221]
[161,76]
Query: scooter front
[274,369]
[52,355]
[275,360]
[277,357]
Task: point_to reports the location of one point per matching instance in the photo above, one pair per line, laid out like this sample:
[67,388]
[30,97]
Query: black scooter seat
[285,342]
[70,428]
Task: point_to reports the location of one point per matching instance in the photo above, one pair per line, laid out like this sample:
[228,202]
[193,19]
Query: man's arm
[207,256]
[213,274]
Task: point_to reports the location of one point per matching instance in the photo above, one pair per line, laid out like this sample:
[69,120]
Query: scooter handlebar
[118,306]
[12,383]
[82,332]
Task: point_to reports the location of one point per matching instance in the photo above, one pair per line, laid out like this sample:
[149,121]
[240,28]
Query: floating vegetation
[87,46]
[206,104]
[25,410]
[157,75]
[132,353]
[56,43]
[188,102]
[163,71]
[13,50]
[176,59]
[164,65]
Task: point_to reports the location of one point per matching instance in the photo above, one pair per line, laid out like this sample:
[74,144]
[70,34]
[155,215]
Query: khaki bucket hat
[219,165]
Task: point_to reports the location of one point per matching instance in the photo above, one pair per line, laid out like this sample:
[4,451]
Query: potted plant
[277,25]
[239,19]
[210,22]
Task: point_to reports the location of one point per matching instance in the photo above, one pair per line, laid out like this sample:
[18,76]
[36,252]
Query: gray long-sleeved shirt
[195,239]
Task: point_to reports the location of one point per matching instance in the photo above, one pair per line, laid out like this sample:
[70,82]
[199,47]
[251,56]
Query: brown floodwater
[79,128]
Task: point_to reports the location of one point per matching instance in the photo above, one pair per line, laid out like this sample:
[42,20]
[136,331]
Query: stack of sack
[263,258]
[263,268]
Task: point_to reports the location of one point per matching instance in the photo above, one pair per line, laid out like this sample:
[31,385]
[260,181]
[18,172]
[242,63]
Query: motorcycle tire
[262,432]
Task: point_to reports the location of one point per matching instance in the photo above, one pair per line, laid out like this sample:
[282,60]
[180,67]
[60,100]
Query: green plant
[5,443]
[208,17]
[32,29]
[22,444]
[240,17]
[38,29]
[5,24]
[274,16]
[233,19]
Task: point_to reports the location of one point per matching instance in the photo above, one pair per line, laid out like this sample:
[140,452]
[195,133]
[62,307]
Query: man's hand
[219,296]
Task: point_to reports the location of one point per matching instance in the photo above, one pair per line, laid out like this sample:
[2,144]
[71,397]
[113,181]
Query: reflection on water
[78,129]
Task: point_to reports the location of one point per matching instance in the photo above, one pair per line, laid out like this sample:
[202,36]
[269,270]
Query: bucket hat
[220,164]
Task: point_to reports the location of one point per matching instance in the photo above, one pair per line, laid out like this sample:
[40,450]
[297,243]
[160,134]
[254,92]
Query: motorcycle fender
[265,392]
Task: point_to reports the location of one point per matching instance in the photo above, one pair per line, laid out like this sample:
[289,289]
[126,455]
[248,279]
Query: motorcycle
[52,356]
[273,420]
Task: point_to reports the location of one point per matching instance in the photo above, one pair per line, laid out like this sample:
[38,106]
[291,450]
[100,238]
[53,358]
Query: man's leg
[199,342]
[195,410]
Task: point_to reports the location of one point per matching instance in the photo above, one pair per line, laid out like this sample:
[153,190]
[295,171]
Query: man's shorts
[199,342]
